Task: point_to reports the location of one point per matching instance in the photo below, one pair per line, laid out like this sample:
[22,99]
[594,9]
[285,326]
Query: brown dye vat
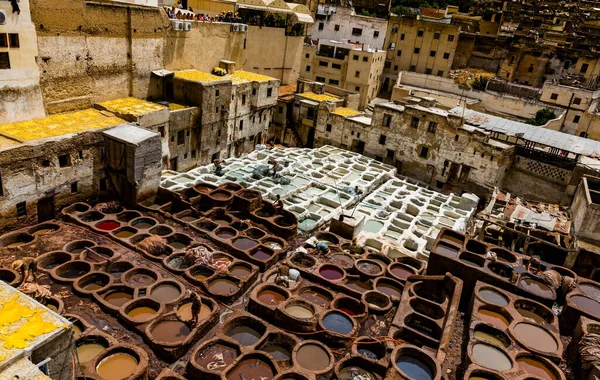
[88,351]
[185,311]
[342,260]
[359,286]
[452,237]
[245,335]
[490,357]
[536,368]
[590,291]
[93,286]
[493,318]
[315,297]
[125,233]
[170,331]
[401,272]
[536,287]
[118,298]
[586,304]
[77,247]
[117,366]
[369,267]
[223,287]
[493,297]
[261,254]
[239,271]
[389,289]
[349,373]
[303,261]
[118,268]
[244,243]
[209,355]
[446,250]
[141,313]
[313,357]
[177,245]
[278,352]
[51,260]
[165,293]
[535,337]
[140,279]
[531,316]
[251,369]
[220,195]
[188,219]
[270,297]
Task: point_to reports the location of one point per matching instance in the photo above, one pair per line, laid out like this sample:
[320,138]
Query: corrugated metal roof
[548,137]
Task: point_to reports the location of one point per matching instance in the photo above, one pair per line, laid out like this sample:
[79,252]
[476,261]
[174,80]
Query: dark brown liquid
[260,254]
[278,352]
[118,298]
[251,369]
[313,357]
[315,297]
[535,367]
[535,337]
[491,296]
[222,287]
[587,304]
[247,336]
[388,289]
[140,279]
[401,272]
[269,297]
[208,355]
[536,287]
[124,234]
[170,331]
[141,313]
[239,271]
[446,250]
[165,293]
[244,243]
[493,318]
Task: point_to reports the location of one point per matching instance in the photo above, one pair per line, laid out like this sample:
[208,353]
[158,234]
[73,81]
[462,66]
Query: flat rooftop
[58,125]
[239,76]
[345,112]
[131,106]
[319,97]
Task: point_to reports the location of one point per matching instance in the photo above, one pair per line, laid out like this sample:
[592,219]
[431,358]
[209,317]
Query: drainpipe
[567,113]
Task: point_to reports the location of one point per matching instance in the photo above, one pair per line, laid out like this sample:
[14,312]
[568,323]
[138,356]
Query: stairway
[294,130]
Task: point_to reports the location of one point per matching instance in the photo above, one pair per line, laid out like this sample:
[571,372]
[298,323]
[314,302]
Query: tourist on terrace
[179,5]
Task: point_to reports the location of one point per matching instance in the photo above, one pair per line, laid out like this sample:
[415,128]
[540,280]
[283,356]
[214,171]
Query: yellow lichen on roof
[319,97]
[21,322]
[245,76]
[175,106]
[58,125]
[345,112]
[197,76]
[131,106]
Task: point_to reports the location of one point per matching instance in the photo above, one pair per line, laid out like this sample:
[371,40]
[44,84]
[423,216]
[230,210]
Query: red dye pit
[108,225]
[347,311]
[330,272]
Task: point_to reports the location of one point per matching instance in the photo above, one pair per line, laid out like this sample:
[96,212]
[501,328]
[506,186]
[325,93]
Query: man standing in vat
[278,204]
[194,298]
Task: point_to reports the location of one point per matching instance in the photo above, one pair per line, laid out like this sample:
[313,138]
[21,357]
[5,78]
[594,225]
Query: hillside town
[299,190]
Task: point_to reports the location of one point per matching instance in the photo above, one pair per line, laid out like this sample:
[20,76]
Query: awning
[255,7]
[278,6]
[303,18]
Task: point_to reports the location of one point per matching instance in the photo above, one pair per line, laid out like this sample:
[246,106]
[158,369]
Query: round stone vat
[201,359]
[331,272]
[176,262]
[124,232]
[303,261]
[534,312]
[117,268]
[316,295]
[54,303]
[70,271]
[51,260]
[78,324]
[169,331]
[78,246]
[489,356]
[127,216]
[77,208]
[140,277]
[389,287]
[369,268]
[246,330]
[378,302]
[279,346]
[255,233]
[107,225]
[225,233]
[161,230]
[179,241]
[253,365]
[492,296]
[9,276]
[328,238]
[143,223]
[504,255]
[15,239]
[299,309]
[116,296]
[410,362]
[535,337]
[350,367]
[540,367]
[198,273]
[241,270]
[97,255]
[90,216]
[417,264]
[496,316]
[89,347]
[342,260]
[338,323]
[369,348]
[141,310]
[121,362]
[350,306]
[313,357]
[167,291]
[491,335]
[271,295]
[536,287]
[224,286]
[400,271]
[44,229]
[93,282]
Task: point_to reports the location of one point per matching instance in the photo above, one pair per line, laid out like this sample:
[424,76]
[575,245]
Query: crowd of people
[180,13]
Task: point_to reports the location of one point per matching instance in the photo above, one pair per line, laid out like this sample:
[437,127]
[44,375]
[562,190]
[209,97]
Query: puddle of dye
[43,231]
[124,234]
[141,313]
[482,335]
[247,336]
[165,293]
[590,291]
[312,357]
[225,235]
[338,322]
[72,273]
[491,357]
[244,243]
[535,337]
[349,373]
[299,311]
[88,351]
[200,276]
[494,297]
[251,369]
[269,297]
[278,352]
[401,272]
[536,287]
[331,273]
[208,355]
[140,279]
[116,367]
[315,297]
[493,318]
[261,255]
[240,271]
[414,368]
[389,290]
[587,305]
[535,367]
[531,316]
[17,244]
[222,287]
[93,286]
[170,331]
[118,298]
[109,225]
[185,311]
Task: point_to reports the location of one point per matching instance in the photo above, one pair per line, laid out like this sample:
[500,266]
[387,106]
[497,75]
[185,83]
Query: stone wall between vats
[60,352]
[586,210]
[32,172]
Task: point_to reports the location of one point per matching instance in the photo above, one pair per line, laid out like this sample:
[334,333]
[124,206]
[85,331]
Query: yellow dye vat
[319,97]
[245,76]
[345,112]
[197,76]
[131,106]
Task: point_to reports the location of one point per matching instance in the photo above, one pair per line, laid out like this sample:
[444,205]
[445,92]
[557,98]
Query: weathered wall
[94,51]
[269,51]
[20,94]
[586,213]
